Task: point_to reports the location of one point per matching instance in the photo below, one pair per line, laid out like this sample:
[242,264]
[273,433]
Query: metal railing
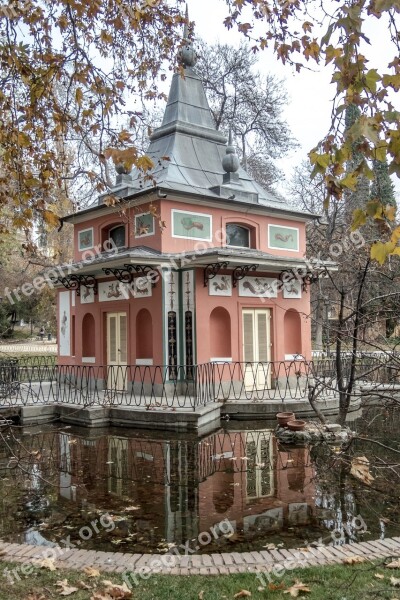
[27,382]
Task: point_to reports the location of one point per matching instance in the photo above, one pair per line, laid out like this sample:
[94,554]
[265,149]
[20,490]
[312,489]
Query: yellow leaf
[51,218]
[350,181]
[380,252]
[359,219]
[242,594]
[379,576]
[47,563]
[390,212]
[374,209]
[66,589]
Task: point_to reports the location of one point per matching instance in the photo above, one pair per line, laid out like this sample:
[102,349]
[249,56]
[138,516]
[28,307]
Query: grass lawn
[357,582]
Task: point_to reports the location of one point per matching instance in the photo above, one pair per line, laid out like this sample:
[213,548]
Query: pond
[236,489]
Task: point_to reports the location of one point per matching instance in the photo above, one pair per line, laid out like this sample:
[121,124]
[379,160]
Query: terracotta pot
[284,417]
[296,425]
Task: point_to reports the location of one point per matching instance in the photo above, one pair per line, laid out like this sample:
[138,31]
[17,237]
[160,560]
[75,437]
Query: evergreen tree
[360,196]
[382,187]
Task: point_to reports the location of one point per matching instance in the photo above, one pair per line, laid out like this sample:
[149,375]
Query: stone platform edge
[198,564]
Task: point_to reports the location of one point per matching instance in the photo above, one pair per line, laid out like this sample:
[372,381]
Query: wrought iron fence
[23,382]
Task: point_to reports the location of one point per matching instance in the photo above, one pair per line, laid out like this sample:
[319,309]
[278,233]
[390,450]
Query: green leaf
[350,181]
[371,79]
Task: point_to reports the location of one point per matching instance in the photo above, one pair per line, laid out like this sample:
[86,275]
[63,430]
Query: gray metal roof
[187,152]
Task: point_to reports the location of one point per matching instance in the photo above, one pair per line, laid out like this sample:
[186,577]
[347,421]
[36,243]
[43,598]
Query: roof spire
[230,162]
[187,54]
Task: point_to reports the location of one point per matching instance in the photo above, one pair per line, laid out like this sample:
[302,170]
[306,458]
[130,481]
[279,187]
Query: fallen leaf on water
[47,563]
[297,588]
[242,594]
[91,572]
[395,581]
[66,589]
[354,560]
[395,564]
[379,576]
[360,469]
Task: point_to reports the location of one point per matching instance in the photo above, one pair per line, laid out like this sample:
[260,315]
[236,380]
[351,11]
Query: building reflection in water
[179,488]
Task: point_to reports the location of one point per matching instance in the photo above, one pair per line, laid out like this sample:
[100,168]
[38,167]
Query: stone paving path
[204,564]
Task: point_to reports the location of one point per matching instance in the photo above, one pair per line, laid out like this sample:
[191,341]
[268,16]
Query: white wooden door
[117,354]
[257,348]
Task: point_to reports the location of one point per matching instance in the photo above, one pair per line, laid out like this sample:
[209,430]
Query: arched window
[236,235]
[88,336]
[117,236]
[220,333]
[292,331]
[144,335]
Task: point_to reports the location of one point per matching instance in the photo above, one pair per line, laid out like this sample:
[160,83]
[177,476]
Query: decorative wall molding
[241,272]
[212,271]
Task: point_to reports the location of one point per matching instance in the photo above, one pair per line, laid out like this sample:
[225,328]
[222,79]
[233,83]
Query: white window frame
[79,239]
[284,227]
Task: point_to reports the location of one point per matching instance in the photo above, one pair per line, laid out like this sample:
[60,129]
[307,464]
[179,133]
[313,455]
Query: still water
[139,492]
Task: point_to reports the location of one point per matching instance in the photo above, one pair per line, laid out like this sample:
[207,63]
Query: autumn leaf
[354,560]
[381,250]
[66,589]
[242,594]
[201,595]
[91,572]
[394,564]
[395,581]
[113,590]
[274,587]
[297,588]
[359,219]
[360,470]
[47,563]
[379,576]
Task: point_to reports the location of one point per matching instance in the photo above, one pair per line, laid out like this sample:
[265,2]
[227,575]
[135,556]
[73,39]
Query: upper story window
[115,235]
[236,235]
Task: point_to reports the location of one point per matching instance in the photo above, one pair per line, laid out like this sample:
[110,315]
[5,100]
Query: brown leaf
[113,590]
[297,588]
[354,560]
[66,589]
[83,586]
[35,597]
[395,564]
[242,594]
[379,576]
[201,595]
[273,587]
[91,572]
[395,581]
[360,469]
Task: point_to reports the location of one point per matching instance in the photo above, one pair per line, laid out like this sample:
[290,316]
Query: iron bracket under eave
[241,272]
[306,279]
[212,270]
[74,282]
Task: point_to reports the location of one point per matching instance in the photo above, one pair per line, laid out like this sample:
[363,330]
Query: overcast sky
[310,92]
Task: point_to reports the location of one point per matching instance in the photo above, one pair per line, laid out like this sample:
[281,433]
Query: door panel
[117,351]
[257,348]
